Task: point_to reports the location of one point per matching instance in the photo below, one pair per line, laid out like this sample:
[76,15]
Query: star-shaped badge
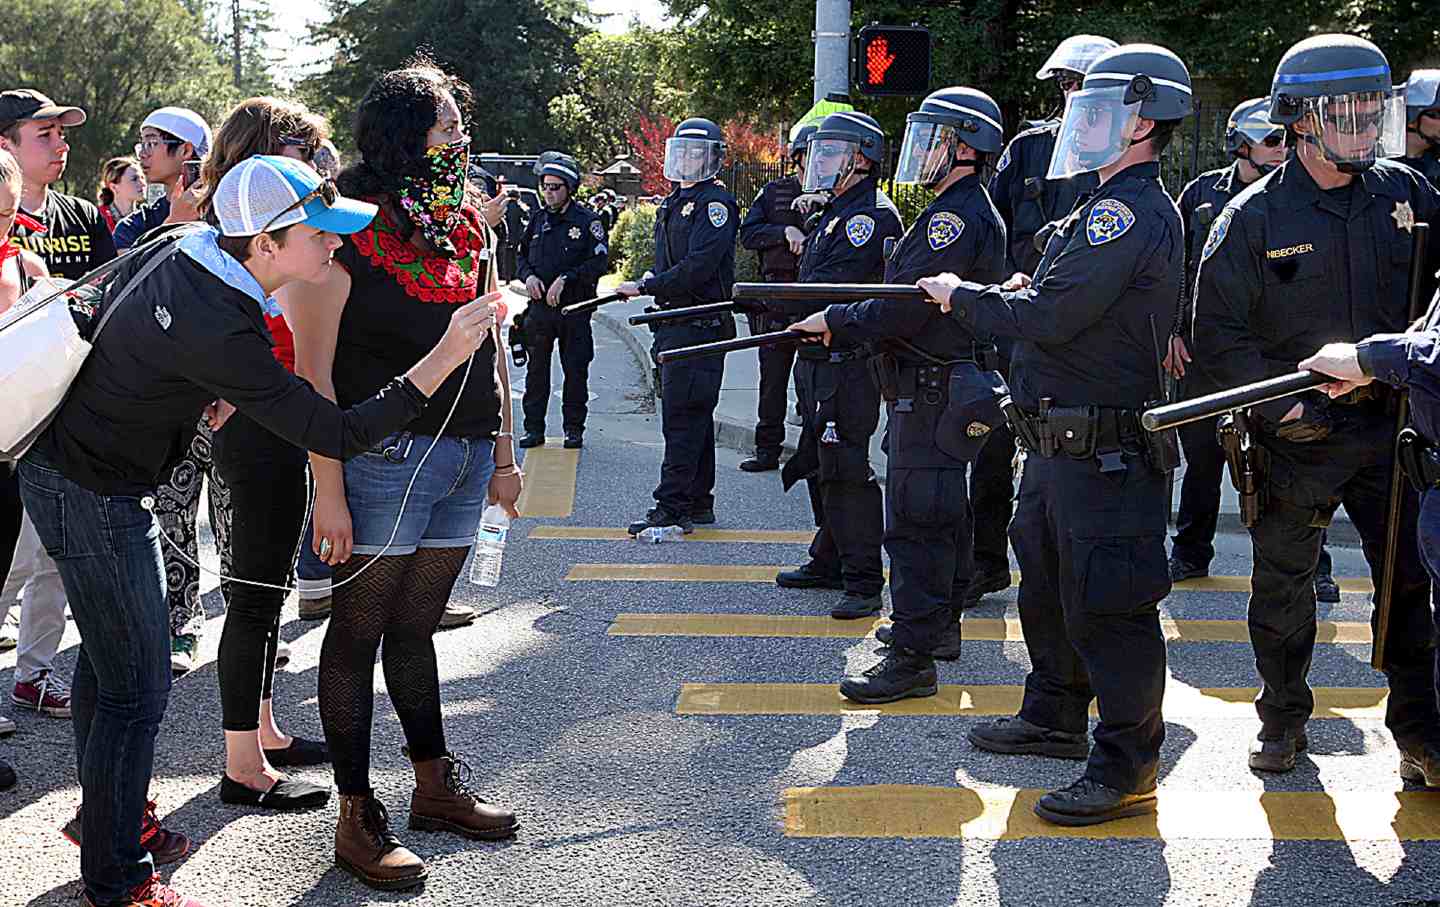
[831,228]
[574,233]
[688,210]
[1404,216]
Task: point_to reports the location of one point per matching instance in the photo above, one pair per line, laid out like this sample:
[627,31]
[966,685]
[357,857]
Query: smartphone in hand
[190,175]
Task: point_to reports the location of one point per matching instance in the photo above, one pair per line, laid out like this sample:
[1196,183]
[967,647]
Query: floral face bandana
[432,201]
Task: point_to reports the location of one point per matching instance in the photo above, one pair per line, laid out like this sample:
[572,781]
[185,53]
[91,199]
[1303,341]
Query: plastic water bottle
[490,546]
[830,437]
[657,534]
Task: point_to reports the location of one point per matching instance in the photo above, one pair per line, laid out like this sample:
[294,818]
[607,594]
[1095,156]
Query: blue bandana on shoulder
[206,252]
[1109,219]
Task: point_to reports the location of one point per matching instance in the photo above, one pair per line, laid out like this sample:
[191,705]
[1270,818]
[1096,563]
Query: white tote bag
[41,350]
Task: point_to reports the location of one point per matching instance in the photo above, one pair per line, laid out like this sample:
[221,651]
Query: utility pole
[832,48]
[235,30]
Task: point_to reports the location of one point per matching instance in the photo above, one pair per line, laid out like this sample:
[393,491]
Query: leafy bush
[632,242]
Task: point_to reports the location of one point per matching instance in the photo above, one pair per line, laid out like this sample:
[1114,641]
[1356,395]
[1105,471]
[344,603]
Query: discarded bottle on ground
[490,546]
[654,535]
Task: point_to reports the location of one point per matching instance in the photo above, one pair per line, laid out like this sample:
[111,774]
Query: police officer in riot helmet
[773,229]
[1422,123]
[1319,251]
[1089,526]
[935,376]
[562,255]
[839,401]
[694,265]
[1257,147]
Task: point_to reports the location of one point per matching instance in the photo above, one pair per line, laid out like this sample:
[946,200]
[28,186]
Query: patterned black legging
[177,504]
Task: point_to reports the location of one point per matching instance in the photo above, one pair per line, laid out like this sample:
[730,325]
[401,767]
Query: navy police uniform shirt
[1289,267]
[1027,200]
[694,246]
[848,244]
[1428,164]
[1102,297]
[1412,361]
[763,229]
[960,232]
[571,244]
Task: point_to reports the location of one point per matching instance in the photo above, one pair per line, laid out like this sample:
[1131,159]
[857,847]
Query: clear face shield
[827,163]
[926,153]
[1350,131]
[1094,132]
[691,160]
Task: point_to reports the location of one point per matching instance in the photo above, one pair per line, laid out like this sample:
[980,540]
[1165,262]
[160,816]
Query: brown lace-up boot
[443,801]
[366,848]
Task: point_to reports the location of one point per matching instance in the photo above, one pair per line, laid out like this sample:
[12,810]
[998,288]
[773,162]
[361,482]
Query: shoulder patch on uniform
[719,214]
[1217,233]
[1109,219]
[944,228]
[1004,161]
[859,229]
[597,230]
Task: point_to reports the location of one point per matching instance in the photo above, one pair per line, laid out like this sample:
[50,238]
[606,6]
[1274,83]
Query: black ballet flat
[285,794]
[300,752]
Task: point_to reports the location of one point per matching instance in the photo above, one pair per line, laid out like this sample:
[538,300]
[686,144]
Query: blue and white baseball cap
[265,192]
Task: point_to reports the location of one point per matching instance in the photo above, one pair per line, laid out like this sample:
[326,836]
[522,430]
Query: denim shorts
[445,503]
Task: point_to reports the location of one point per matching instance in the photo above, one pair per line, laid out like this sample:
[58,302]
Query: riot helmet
[694,153]
[1422,105]
[1071,58]
[933,134]
[1339,86]
[830,158]
[1131,82]
[560,166]
[800,141]
[1250,126]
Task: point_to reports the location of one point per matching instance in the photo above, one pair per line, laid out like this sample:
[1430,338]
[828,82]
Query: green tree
[138,55]
[516,54]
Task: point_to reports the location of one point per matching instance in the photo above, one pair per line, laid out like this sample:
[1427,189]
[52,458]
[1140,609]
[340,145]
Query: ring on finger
[325,548]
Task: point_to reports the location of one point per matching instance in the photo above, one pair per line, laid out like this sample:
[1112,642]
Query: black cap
[29,104]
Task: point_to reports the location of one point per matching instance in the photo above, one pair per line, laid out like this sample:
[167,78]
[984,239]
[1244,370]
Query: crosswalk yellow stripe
[549,481]
[903,811]
[765,573]
[733,536]
[982,629]
[1181,701]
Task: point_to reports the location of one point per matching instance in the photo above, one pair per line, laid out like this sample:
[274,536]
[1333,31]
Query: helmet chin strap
[1337,159]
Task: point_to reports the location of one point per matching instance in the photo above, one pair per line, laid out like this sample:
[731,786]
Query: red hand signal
[877,60]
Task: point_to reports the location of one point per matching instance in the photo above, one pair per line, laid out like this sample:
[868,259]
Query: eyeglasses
[145,145]
[326,190]
[307,147]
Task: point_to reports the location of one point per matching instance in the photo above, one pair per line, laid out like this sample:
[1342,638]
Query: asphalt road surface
[664,720]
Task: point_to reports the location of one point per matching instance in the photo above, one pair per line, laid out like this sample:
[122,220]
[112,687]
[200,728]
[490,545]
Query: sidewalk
[735,416]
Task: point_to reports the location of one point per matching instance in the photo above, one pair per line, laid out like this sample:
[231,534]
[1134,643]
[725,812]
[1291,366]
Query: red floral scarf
[430,278]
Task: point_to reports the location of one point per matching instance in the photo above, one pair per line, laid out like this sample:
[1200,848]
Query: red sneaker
[155,893]
[46,693]
[165,846]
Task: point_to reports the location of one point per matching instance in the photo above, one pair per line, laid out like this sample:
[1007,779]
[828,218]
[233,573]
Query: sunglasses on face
[307,148]
[1069,83]
[1358,120]
[326,190]
[1273,141]
[551,187]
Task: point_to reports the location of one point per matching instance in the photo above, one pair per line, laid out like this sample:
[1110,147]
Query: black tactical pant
[844,494]
[1306,483]
[928,537]
[1091,548]
[992,488]
[689,393]
[1199,493]
[577,349]
[774,397]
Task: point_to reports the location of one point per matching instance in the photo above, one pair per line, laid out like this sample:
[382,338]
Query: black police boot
[533,439]
[1088,802]
[761,462]
[704,517]
[1274,751]
[1181,570]
[1014,735]
[1420,764]
[900,675]
[982,584]
[885,635]
[853,607]
[574,439]
[659,516]
[1326,589]
[806,576]
[947,650]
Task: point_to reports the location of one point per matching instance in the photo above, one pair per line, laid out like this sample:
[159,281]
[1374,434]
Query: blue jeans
[107,549]
[445,502]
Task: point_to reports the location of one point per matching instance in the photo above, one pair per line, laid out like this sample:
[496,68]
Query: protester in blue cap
[190,330]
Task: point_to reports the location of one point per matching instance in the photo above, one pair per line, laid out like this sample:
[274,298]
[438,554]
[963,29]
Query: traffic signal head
[893,60]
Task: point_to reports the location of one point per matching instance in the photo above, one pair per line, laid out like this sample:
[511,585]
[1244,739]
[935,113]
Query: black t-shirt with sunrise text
[76,240]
